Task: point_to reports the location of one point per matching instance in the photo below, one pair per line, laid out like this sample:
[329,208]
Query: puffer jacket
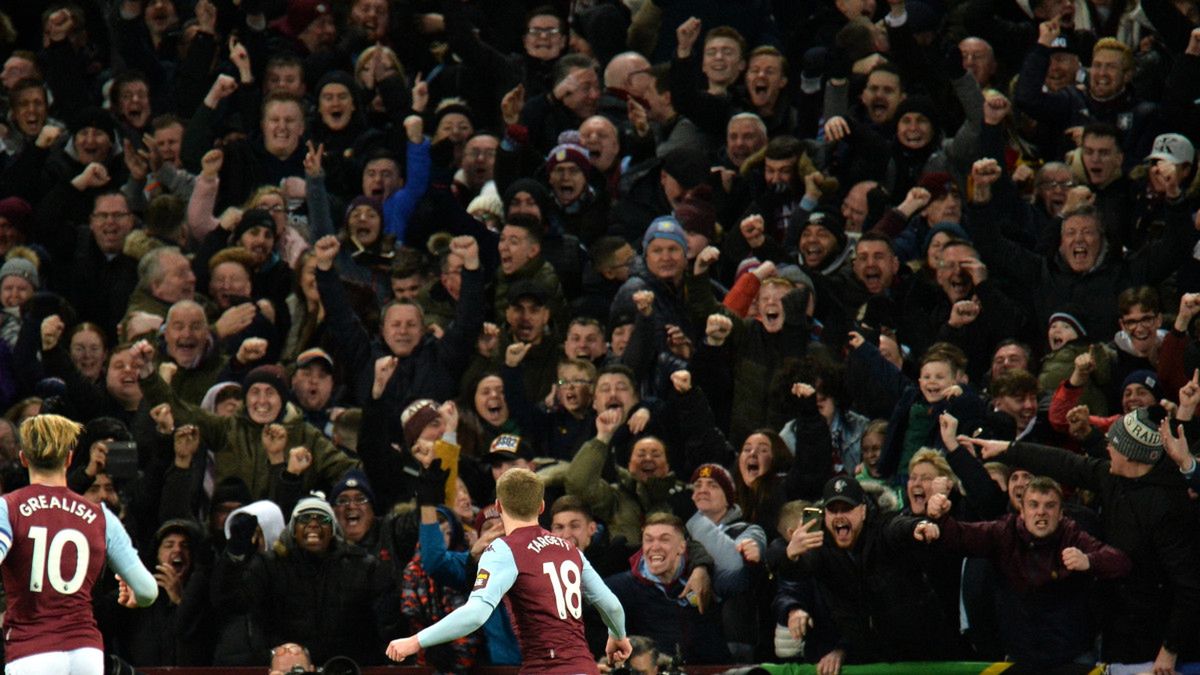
[625,503]
[342,602]
[237,442]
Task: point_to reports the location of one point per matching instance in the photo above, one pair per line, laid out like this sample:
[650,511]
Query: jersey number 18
[567,593]
[38,569]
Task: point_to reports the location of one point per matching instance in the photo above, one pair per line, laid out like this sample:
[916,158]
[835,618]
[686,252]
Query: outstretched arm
[497,573]
[125,562]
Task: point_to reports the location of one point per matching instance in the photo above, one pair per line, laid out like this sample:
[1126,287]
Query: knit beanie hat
[363,200]
[17,212]
[251,219]
[687,166]
[697,216]
[1069,315]
[568,152]
[94,118]
[832,221]
[719,474]
[418,415]
[1146,378]
[270,374]
[1136,436]
[20,267]
[664,227]
[314,503]
[353,480]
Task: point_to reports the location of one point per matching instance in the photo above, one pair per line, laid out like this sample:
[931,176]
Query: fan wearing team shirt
[53,545]
[549,578]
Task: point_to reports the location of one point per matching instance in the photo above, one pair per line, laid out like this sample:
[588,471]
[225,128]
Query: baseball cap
[1174,148]
[843,489]
[509,448]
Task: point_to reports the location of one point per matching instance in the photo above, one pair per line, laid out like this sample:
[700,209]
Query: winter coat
[338,603]
[1151,520]
[625,503]
[1048,284]
[653,609]
[237,443]
[1043,612]
[432,369]
[875,592]
[1058,365]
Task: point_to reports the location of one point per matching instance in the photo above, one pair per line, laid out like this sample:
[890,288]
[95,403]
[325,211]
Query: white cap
[1174,148]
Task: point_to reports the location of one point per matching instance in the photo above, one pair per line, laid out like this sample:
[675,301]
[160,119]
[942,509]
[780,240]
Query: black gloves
[431,484]
[241,535]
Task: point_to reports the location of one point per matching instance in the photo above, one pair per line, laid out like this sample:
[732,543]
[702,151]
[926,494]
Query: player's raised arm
[497,573]
[125,561]
[611,611]
[5,531]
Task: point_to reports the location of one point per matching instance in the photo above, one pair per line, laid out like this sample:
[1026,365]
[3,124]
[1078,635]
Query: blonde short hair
[47,440]
[520,493]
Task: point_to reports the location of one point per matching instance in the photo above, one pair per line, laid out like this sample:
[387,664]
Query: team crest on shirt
[481,580]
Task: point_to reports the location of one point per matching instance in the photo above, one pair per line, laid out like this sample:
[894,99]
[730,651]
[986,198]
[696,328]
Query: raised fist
[717,329]
[682,381]
[52,330]
[326,249]
[644,301]
[466,248]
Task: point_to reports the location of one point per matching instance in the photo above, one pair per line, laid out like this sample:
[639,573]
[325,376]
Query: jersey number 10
[567,593]
[38,569]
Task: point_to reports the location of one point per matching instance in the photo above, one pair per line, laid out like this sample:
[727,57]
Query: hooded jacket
[237,444]
[339,602]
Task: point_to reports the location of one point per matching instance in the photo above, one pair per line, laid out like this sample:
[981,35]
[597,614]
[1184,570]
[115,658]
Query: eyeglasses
[309,518]
[1057,184]
[101,216]
[573,383]
[1144,321]
[278,208]
[543,32]
[347,501]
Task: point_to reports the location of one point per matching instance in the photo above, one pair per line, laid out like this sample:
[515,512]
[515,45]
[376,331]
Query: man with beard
[477,167]
[853,547]
[823,245]
[880,98]
[1109,98]
[173,631]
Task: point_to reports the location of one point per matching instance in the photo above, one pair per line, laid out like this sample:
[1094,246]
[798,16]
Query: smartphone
[448,453]
[122,461]
[812,513]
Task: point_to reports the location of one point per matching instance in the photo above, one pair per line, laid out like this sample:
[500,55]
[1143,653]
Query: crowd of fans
[840,331]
